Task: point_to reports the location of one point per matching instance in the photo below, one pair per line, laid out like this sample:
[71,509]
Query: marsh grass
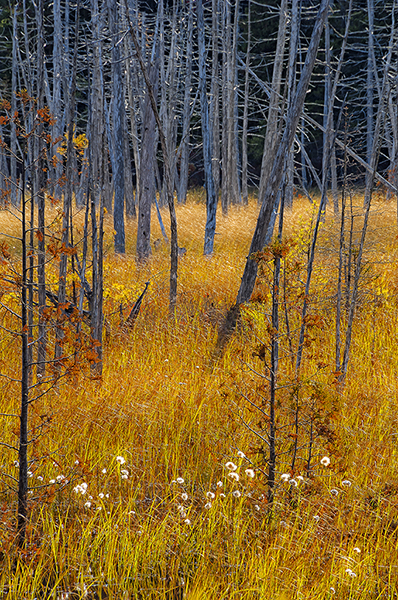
[148,528]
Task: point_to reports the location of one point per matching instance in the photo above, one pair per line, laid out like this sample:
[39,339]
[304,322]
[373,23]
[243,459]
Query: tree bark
[211,200]
[147,174]
[270,195]
[167,174]
[272,136]
[118,110]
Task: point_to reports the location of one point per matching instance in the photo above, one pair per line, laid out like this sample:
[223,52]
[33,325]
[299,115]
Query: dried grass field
[151,483]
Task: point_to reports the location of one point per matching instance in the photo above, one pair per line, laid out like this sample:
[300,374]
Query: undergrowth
[151,483]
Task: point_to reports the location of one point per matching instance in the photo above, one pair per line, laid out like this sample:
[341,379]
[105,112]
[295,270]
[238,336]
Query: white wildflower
[316,517]
[184,496]
[187,522]
[208,506]
[325,461]
[125,474]
[29,474]
[80,488]
[100,495]
[120,460]
[256,506]
[210,495]
[350,573]
[346,483]
[230,466]
[285,476]
[40,478]
[233,476]
[357,550]
[219,484]
[179,480]
[60,478]
[236,494]
[240,454]
[250,473]
[222,495]
[300,478]
[293,482]
[103,471]
[52,481]
[87,504]
[334,492]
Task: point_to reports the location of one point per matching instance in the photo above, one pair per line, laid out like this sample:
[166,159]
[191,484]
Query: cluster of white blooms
[120,460]
[124,473]
[230,466]
[325,461]
[293,481]
[234,476]
[80,488]
[350,573]
[181,510]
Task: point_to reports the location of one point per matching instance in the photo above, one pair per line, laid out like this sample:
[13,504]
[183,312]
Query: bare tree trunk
[291,82]
[167,173]
[57,86]
[381,112]
[214,115]
[13,132]
[271,192]
[272,135]
[68,192]
[245,192]
[25,368]
[132,83]
[231,124]
[147,176]
[186,118]
[369,87]
[96,136]
[40,198]
[118,132]
[211,200]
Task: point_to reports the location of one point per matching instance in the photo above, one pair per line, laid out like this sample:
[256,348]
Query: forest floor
[151,483]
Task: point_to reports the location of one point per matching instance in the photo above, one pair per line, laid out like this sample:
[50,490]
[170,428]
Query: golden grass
[172,417]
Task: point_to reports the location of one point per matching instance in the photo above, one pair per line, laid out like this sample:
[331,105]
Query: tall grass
[160,516]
